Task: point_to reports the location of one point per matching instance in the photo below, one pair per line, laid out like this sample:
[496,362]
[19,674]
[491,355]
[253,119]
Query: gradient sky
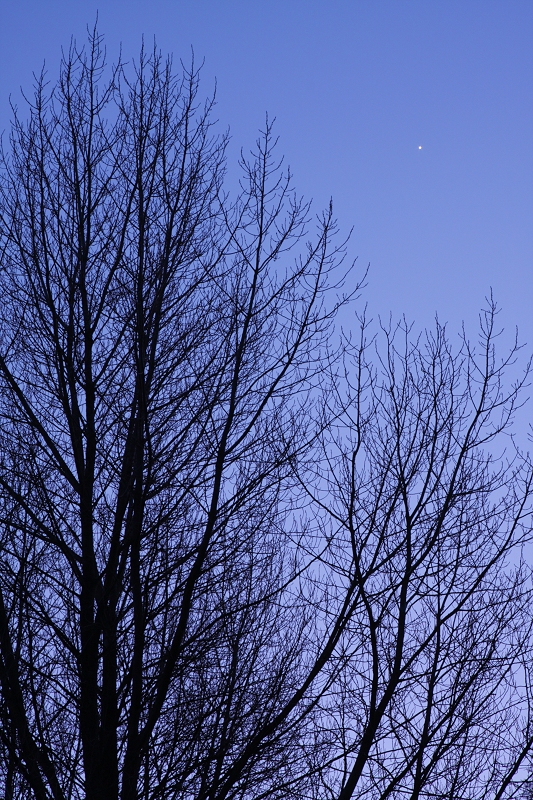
[356,86]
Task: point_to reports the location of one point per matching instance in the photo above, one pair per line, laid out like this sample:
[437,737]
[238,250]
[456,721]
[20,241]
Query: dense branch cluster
[239,557]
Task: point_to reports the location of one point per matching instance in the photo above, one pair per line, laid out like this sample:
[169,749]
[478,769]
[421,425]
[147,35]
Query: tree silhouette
[237,560]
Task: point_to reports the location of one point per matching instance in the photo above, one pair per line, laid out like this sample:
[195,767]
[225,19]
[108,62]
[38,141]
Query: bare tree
[228,569]
[428,522]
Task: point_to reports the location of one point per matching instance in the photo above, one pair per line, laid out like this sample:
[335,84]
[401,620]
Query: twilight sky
[356,87]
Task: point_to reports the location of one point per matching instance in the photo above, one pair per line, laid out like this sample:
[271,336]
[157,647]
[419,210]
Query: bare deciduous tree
[429,524]
[228,568]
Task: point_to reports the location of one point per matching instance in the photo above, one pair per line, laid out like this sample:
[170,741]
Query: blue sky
[356,86]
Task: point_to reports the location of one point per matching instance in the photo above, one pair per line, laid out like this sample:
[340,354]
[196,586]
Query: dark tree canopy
[241,555]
